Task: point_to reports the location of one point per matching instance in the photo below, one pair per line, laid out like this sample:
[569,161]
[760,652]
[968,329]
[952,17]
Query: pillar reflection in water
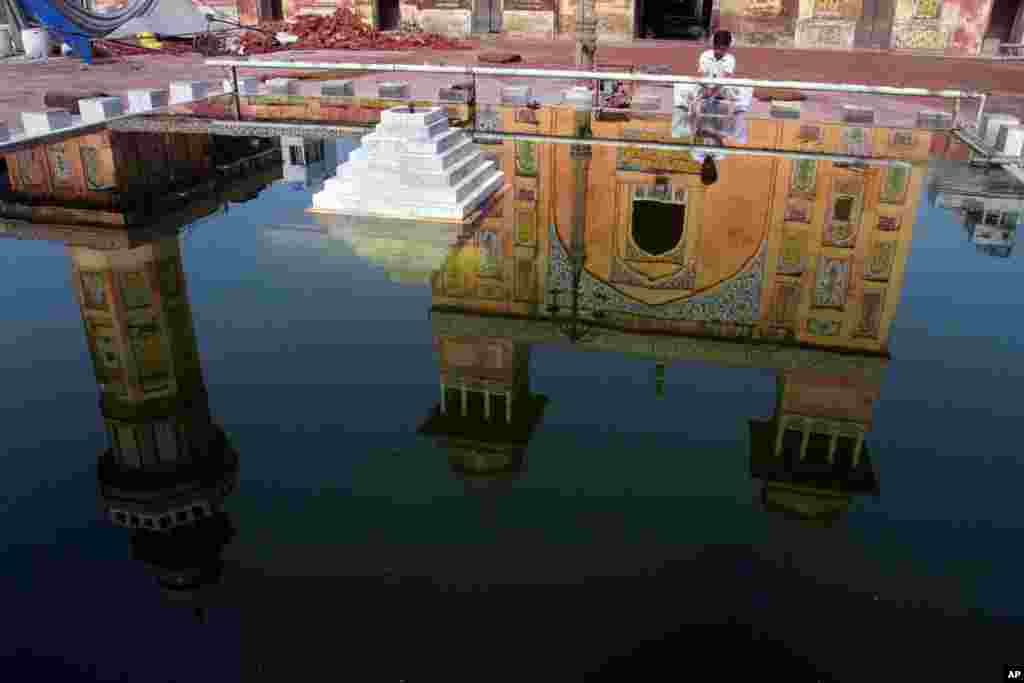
[169,467]
[487,414]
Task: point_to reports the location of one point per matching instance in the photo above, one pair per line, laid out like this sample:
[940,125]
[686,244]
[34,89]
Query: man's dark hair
[722,39]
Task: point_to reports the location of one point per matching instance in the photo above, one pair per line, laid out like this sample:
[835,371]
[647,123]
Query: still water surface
[355,539]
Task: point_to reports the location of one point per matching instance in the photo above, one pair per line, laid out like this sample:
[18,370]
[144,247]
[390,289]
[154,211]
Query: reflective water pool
[780,408]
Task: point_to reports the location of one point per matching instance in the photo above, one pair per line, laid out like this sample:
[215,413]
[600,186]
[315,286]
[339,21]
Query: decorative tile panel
[524,194]
[792,255]
[902,138]
[526,159]
[871,315]
[527,116]
[489,245]
[683,279]
[526,280]
[831,283]
[823,328]
[786,303]
[888,223]
[879,264]
[735,300]
[526,226]
[803,177]
[856,141]
[798,211]
[60,166]
[894,184]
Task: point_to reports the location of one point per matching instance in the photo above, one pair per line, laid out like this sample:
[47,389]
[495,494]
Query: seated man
[719,63]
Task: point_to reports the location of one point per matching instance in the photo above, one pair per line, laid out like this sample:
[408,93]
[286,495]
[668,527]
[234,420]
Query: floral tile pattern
[791,256]
[879,265]
[871,314]
[737,300]
[823,328]
[831,283]
[682,279]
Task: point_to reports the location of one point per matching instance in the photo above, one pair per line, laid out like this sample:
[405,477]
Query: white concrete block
[393,90]
[645,103]
[188,91]
[1012,141]
[46,121]
[853,113]
[247,85]
[579,98]
[993,123]
[96,109]
[683,94]
[281,86]
[519,95]
[146,100]
[934,119]
[337,89]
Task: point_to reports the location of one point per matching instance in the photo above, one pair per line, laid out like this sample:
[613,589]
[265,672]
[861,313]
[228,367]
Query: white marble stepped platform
[414,167]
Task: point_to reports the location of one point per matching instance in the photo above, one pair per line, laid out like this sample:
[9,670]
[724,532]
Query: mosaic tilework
[823,328]
[736,300]
[786,303]
[685,278]
[871,314]
[889,223]
[840,235]
[791,257]
[879,265]
[831,282]
[802,179]
[857,141]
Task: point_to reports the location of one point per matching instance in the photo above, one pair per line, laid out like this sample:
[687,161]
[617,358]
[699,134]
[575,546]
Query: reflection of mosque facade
[306,161]
[990,205]
[805,270]
[169,466]
[487,413]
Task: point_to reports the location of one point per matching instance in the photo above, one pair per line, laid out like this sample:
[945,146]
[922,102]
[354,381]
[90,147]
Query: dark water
[358,552]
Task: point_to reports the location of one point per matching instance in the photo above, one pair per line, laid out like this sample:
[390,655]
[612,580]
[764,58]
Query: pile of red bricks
[343,30]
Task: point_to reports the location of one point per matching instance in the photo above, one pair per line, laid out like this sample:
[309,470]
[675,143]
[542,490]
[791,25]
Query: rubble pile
[344,29]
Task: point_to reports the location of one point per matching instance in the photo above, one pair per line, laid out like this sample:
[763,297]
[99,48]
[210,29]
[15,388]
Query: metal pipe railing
[679,146]
[330,131]
[575,75]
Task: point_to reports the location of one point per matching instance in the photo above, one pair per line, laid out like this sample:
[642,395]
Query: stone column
[586,34]
[832,447]
[857,449]
[803,444]
[465,401]
[508,407]
[487,405]
[444,399]
[779,436]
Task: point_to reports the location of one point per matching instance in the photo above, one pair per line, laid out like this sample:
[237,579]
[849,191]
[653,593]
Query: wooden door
[874,29]
[487,16]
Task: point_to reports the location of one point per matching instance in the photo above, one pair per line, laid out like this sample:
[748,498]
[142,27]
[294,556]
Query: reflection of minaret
[811,457]
[487,414]
[169,467]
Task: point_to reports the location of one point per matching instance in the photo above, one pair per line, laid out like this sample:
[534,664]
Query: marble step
[405,176]
[375,143]
[427,163]
[331,200]
[417,163]
[370,186]
[413,133]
